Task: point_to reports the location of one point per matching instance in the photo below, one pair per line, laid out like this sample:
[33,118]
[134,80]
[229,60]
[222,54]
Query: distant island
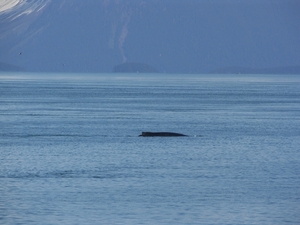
[248,70]
[134,67]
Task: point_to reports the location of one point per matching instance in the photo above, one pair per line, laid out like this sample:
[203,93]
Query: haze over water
[70,151]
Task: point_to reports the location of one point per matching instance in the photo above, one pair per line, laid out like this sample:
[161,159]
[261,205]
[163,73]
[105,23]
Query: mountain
[8,67]
[173,36]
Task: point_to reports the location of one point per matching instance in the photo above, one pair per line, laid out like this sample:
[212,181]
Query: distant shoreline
[249,70]
[145,68]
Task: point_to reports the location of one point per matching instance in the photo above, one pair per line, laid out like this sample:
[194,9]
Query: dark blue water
[70,151]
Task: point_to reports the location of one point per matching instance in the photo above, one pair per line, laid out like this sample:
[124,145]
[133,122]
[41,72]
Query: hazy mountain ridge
[9,67]
[173,36]
[135,67]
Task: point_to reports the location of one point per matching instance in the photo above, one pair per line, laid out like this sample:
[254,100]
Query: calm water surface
[70,151]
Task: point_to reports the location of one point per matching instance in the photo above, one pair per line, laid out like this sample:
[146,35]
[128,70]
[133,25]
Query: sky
[173,36]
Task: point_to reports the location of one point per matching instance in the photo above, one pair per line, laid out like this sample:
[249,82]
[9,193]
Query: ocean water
[70,151]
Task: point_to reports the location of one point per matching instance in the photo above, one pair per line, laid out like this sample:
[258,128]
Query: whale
[161,134]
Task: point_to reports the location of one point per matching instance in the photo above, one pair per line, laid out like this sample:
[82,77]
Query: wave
[92,174]
[48,135]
